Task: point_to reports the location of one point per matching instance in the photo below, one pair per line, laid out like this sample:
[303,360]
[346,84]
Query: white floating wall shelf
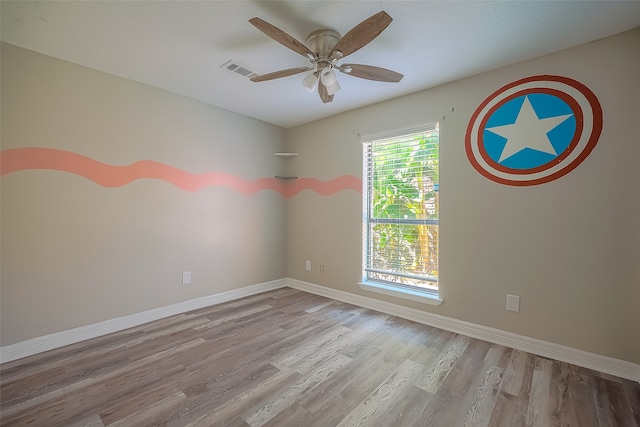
[286,155]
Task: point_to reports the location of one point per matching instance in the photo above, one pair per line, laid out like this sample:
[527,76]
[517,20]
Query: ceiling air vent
[236,68]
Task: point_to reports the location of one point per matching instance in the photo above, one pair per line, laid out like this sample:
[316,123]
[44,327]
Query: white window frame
[413,293]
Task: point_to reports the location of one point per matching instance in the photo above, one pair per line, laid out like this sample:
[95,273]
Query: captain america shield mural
[533,130]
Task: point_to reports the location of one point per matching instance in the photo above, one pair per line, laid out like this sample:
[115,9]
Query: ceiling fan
[324,48]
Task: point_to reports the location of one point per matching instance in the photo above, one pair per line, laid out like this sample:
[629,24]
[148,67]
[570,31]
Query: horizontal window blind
[401,208]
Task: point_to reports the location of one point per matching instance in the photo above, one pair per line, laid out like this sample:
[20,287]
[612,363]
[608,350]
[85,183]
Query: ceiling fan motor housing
[321,42]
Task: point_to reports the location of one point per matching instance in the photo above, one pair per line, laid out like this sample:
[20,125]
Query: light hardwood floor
[290,358]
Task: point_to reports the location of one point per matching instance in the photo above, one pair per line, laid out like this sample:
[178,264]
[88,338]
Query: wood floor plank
[57,356]
[612,406]
[517,377]
[68,408]
[406,410]
[230,409]
[294,416]
[327,351]
[273,405]
[303,304]
[35,384]
[540,411]
[578,404]
[309,347]
[161,344]
[479,413]
[239,314]
[206,393]
[377,369]
[509,410]
[332,413]
[148,415]
[290,358]
[88,421]
[445,362]
[319,306]
[120,404]
[374,406]
[362,368]
[447,407]
[77,387]
[476,400]
[632,391]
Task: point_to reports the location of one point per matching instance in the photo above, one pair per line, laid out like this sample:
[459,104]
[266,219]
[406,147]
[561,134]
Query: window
[400,247]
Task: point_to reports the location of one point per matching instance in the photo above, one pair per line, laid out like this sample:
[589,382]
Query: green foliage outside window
[403,210]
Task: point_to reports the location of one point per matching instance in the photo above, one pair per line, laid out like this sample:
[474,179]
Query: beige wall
[75,252]
[569,248]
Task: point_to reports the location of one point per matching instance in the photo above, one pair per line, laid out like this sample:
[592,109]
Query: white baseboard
[72,336]
[609,365]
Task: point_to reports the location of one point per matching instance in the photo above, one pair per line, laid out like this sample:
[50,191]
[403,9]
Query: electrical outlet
[307,265]
[513,303]
[186,277]
[321,268]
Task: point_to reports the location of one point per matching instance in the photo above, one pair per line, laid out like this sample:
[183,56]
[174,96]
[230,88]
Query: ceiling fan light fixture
[328,77]
[329,80]
[331,89]
[310,82]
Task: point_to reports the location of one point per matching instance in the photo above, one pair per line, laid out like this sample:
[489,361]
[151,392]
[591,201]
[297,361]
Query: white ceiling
[180,45]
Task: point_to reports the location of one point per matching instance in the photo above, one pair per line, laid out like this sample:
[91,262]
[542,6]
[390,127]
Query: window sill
[407,294]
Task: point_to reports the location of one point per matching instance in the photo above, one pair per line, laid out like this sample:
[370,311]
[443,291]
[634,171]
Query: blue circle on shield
[545,106]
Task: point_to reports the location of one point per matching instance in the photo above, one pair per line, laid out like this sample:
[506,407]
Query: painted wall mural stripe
[325,188]
[34,158]
[14,160]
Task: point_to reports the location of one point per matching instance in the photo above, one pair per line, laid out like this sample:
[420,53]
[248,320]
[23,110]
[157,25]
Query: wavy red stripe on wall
[20,159]
[325,188]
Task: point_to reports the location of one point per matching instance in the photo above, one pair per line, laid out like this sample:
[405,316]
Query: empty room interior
[228,213]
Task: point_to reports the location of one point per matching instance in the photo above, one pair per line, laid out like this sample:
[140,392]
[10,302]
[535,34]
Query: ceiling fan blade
[324,95]
[281,37]
[279,74]
[370,72]
[363,33]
